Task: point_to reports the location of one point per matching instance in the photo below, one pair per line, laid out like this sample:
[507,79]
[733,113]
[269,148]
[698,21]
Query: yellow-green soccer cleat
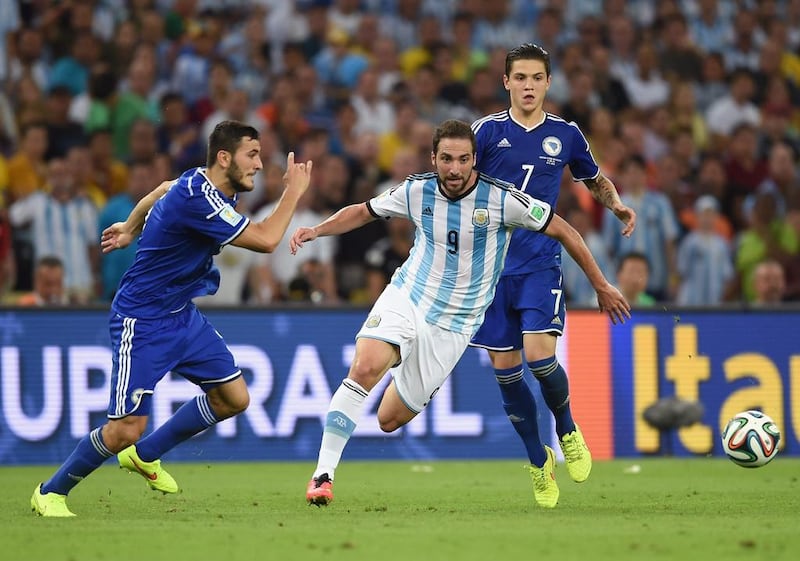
[157,477]
[50,504]
[577,455]
[545,488]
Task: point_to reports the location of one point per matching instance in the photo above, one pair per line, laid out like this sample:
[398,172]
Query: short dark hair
[226,136]
[528,51]
[634,256]
[50,261]
[453,128]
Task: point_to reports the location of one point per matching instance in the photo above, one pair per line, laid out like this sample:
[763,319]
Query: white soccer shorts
[428,353]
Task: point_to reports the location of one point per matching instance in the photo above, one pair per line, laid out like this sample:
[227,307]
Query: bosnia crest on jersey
[551,146]
[480,217]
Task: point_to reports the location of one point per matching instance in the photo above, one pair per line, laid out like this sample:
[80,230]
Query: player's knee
[365,373]
[389,425]
[118,435]
[240,403]
[230,404]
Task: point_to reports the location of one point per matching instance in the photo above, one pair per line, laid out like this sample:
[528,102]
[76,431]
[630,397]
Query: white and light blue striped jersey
[533,159]
[460,244]
[174,260]
[705,263]
[656,227]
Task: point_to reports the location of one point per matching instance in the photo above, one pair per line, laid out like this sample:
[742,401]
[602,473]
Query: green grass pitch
[672,509]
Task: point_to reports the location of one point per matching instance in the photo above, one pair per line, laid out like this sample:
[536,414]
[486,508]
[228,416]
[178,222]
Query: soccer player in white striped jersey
[155,328]
[528,147]
[423,320]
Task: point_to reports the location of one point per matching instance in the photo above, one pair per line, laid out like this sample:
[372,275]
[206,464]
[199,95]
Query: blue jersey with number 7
[533,159]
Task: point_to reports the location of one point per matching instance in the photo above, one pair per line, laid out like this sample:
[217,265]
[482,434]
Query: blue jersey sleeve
[581,163]
[209,214]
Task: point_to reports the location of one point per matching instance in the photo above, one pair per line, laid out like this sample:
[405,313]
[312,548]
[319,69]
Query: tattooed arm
[604,192]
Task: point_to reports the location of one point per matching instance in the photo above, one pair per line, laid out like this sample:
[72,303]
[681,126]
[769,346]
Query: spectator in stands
[745,169]
[679,59]
[734,108]
[633,273]
[48,284]
[110,175]
[62,132]
[400,137]
[142,141]
[63,224]
[28,59]
[705,261]
[684,114]
[742,51]
[192,70]
[245,47]
[712,86]
[608,88]
[27,169]
[769,283]
[214,93]
[656,233]
[373,112]
[582,98]
[72,71]
[429,38]
[622,40]
[646,88]
[709,28]
[577,288]
[273,273]
[177,135]
[337,66]
[133,105]
[384,61]
[768,237]
[234,107]
[385,256]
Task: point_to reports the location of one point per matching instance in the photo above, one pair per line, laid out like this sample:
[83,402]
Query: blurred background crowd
[689,106]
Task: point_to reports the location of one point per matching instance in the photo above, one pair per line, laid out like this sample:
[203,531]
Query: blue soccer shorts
[145,350]
[526,303]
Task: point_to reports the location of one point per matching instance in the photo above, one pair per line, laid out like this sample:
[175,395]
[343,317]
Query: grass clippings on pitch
[670,509]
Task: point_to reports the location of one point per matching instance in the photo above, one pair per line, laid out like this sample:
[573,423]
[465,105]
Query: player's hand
[114,237]
[612,302]
[300,236]
[297,176]
[627,216]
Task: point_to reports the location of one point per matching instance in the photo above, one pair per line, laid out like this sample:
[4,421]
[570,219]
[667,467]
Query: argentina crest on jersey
[480,217]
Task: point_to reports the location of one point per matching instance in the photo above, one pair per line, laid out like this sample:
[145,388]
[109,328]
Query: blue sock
[555,390]
[88,455]
[520,406]
[193,417]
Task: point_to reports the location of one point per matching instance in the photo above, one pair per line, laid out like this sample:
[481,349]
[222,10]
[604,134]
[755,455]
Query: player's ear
[433,159]
[224,158]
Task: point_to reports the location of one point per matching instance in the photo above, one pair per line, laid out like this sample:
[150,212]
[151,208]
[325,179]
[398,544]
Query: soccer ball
[751,439]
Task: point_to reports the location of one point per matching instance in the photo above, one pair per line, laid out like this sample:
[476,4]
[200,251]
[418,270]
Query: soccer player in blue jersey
[423,320]
[155,328]
[528,147]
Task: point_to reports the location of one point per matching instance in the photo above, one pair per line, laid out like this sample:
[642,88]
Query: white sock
[344,412]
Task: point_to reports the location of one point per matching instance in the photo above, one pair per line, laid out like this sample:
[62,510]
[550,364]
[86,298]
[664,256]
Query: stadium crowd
[689,106]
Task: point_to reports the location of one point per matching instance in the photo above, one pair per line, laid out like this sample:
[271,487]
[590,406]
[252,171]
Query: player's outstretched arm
[605,192]
[121,234]
[265,236]
[346,219]
[609,299]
